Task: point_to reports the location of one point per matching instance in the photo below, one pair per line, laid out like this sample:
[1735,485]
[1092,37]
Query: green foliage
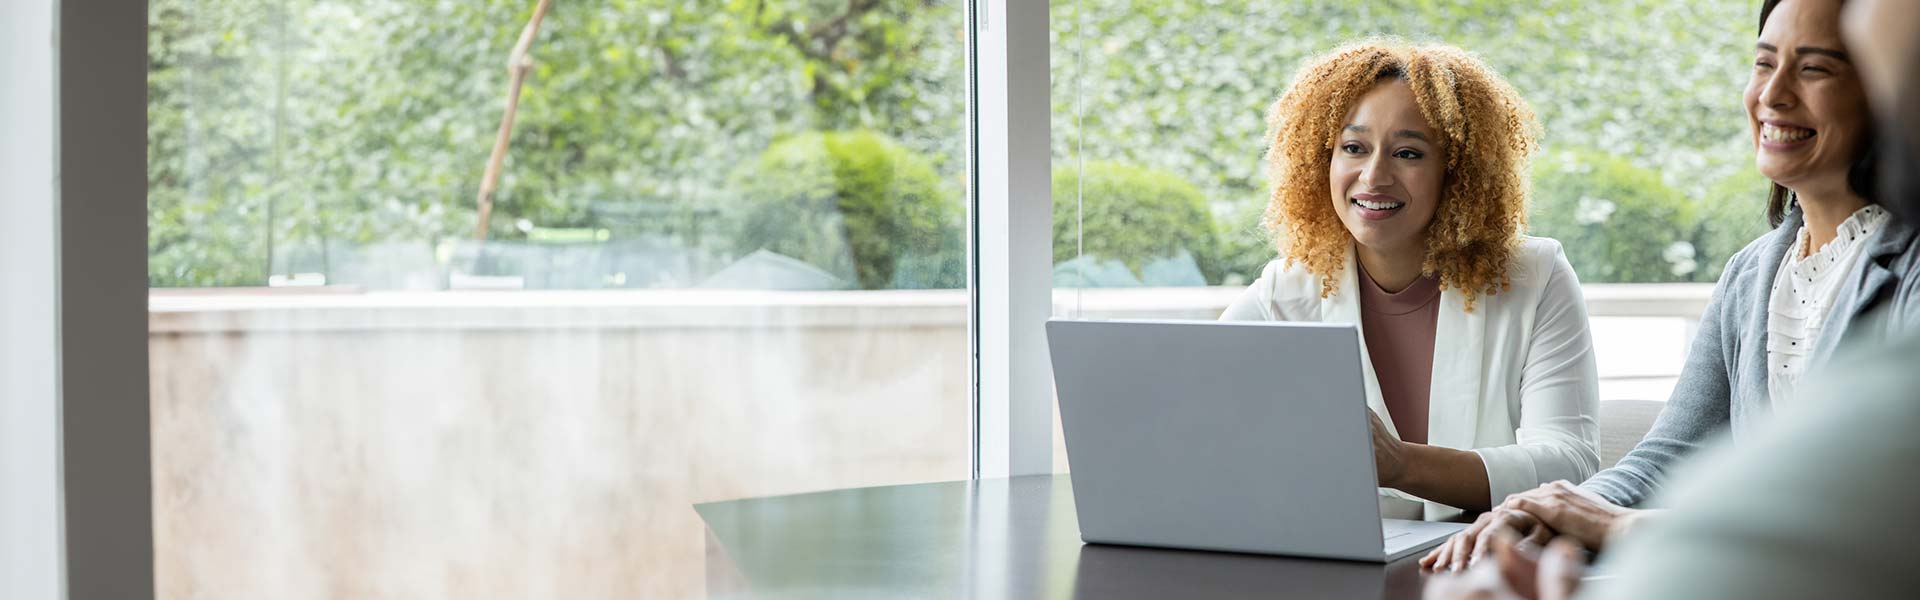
[854,204]
[1620,223]
[1132,214]
[286,124]
[1732,214]
[281,128]
[1245,245]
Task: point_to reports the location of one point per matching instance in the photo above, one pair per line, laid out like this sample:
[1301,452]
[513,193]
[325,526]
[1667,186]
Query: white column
[1012,247]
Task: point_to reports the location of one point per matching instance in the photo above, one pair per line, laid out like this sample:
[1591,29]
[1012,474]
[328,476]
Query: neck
[1824,211]
[1392,270]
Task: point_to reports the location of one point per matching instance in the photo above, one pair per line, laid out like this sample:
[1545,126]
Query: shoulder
[1744,281]
[1538,262]
[1289,288]
[1280,280]
[1750,257]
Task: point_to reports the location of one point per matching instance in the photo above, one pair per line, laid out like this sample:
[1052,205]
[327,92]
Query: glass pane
[1158,130]
[724,257]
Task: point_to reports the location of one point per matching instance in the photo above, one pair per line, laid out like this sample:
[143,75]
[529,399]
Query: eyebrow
[1835,54]
[1404,133]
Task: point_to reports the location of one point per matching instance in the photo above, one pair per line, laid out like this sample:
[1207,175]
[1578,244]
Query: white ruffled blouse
[1803,295]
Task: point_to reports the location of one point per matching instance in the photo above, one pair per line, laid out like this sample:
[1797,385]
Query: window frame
[77,451]
[1010,250]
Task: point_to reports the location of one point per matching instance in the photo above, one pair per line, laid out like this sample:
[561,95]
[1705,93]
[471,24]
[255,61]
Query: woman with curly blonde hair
[1399,178]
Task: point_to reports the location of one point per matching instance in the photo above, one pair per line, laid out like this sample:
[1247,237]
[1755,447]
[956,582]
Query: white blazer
[1514,381]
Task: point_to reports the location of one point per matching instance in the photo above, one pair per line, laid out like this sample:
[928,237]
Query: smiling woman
[1398,195]
[1404,108]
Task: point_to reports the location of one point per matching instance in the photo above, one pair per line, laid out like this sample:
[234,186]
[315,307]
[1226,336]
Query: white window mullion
[1012,248]
[30,555]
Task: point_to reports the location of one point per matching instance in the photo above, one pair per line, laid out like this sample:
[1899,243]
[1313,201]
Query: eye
[1762,64]
[1816,69]
[1351,148]
[1408,154]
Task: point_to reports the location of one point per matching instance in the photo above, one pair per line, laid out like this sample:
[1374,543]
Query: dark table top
[992,538]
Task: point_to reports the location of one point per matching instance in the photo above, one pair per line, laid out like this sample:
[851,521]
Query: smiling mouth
[1372,205]
[1783,134]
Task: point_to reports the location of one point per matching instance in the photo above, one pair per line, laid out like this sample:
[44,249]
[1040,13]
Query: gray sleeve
[1698,408]
[1820,506]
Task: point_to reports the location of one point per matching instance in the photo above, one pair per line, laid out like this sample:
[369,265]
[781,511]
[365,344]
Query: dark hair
[1863,177]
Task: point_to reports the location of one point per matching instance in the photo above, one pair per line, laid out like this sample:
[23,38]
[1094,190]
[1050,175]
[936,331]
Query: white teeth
[1378,205]
[1774,133]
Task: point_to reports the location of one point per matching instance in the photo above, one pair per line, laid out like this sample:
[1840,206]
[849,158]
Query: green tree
[854,204]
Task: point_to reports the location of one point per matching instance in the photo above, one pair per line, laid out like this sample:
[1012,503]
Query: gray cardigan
[1724,382]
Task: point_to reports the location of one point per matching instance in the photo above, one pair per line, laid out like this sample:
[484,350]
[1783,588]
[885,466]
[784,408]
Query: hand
[1574,512]
[1467,547]
[1519,569]
[1389,456]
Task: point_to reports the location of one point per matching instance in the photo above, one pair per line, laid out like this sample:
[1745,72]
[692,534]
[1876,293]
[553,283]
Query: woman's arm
[1559,430]
[1701,405]
[1452,477]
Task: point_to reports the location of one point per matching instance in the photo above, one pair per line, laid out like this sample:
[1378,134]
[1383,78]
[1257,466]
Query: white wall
[30,545]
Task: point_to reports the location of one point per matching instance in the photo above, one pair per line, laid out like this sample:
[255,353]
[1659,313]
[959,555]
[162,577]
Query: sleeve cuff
[1509,471]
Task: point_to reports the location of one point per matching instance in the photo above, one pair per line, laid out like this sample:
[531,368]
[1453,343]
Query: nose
[1777,92]
[1377,172]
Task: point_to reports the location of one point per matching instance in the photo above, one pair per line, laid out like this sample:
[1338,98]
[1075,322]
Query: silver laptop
[1241,437]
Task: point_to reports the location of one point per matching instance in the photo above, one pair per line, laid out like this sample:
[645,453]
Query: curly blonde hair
[1488,131]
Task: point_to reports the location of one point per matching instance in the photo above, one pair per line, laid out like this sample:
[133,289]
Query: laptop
[1239,437]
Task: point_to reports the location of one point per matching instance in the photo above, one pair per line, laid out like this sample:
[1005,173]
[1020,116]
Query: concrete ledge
[238,310]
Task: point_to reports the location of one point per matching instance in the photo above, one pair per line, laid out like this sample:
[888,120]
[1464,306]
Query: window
[1159,183]
[724,258]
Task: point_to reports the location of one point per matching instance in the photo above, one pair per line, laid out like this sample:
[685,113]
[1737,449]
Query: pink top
[1399,329]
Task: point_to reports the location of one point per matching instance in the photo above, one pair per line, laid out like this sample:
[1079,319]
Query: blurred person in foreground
[1819,506]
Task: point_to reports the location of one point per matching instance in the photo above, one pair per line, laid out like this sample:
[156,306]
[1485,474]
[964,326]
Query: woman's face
[1387,169]
[1805,106]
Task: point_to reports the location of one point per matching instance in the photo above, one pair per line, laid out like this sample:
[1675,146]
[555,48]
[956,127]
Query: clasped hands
[1558,509]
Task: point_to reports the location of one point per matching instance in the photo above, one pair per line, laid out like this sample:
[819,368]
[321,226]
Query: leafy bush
[1245,245]
[854,204]
[1733,213]
[1133,215]
[1621,223]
